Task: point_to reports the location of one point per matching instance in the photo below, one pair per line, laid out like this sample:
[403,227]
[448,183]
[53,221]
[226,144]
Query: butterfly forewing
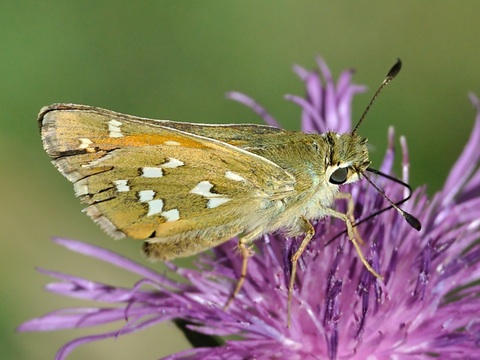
[148,178]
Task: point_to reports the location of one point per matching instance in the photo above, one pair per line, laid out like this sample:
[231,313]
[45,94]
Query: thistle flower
[426,306]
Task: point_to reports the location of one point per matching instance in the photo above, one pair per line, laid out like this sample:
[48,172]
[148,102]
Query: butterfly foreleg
[351,236]
[349,213]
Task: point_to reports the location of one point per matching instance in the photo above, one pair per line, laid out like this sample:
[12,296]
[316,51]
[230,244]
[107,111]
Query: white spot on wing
[172,163]
[155,207]
[233,176]
[146,195]
[152,172]
[84,143]
[172,143]
[217,201]
[171,215]
[114,128]
[121,185]
[203,188]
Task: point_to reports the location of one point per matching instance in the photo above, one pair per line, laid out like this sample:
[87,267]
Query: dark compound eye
[339,176]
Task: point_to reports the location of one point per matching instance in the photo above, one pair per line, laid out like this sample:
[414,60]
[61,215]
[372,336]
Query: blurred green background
[175,60]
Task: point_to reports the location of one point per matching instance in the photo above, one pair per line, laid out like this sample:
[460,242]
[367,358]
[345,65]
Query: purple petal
[112,258]
[69,347]
[467,161]
[257,108]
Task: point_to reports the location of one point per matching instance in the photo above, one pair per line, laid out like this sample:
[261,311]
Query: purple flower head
[426,306]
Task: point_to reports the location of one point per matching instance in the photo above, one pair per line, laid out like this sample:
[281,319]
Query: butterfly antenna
[390,76]
[411,220]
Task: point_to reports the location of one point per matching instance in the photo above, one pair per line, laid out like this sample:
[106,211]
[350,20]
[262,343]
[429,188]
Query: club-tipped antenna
[398,203]
[378,212]
[411,220]
[390,76]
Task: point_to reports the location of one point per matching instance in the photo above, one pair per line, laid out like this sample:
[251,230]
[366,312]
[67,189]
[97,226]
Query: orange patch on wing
[149,139]
[140,231]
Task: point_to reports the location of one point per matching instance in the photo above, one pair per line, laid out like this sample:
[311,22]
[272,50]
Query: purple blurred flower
[427,306]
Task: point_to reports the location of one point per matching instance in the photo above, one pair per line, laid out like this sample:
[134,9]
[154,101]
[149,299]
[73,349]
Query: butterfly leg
[350,210]
[351,236]
[245,253]
[309,231]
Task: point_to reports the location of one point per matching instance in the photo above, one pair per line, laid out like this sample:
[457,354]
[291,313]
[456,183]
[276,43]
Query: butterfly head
[348,158]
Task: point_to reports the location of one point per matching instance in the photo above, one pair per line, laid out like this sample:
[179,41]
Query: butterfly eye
[339,176]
